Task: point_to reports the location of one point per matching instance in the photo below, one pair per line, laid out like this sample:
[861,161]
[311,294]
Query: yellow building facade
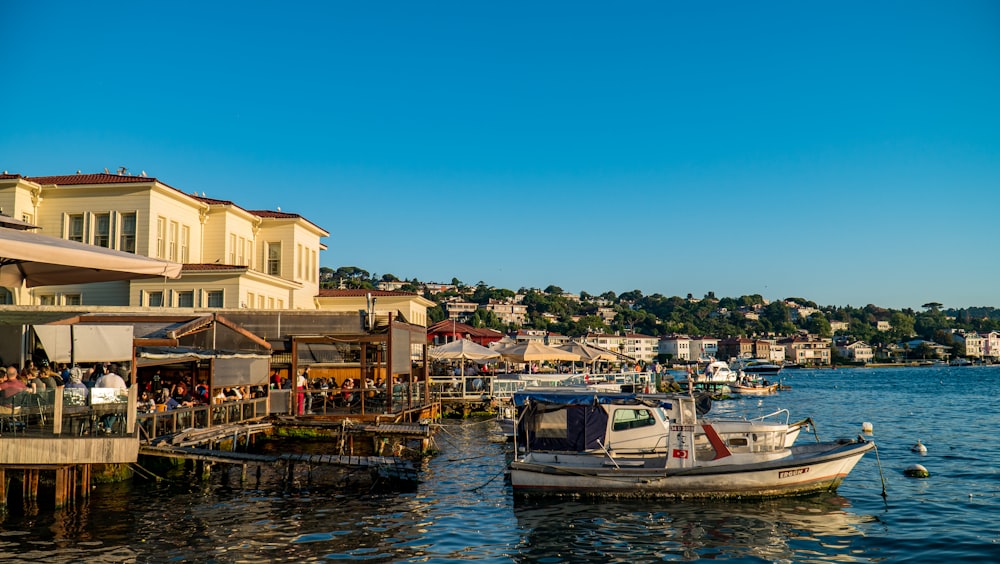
[232,257]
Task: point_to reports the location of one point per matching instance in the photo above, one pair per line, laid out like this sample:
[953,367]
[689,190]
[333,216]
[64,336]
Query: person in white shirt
[111,380]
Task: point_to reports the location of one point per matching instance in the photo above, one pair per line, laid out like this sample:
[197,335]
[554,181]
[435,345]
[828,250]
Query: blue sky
[843,152]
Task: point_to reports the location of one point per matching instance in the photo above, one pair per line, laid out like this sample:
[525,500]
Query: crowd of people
[45,378]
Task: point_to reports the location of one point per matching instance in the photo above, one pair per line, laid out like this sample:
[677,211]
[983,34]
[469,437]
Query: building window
[215,298]
[232,248]
[154,299]
[270,303]
[281,304]
[173,240]
[185,244]
[102,230]
[260,302]
[249,254]
[185,299]
[126,241]
[298,262]
[250,299]
[273,260]
[72,299]
[74,230]
[47,299]
[161,237]
[241,252]
[6,298]
[313,267]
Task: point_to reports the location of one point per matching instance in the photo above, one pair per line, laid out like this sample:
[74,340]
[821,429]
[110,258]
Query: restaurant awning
[33,259]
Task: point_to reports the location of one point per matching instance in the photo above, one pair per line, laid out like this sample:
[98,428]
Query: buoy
[866,427]
[919,447]
[916,471]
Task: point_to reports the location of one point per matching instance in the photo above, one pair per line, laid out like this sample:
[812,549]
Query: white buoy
[916,471]
[866,427]
[919,448]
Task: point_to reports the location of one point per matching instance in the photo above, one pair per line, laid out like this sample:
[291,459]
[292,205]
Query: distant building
[460,310]
[807,351]
[411,307]
[508,313]
[676,347]
[856,351]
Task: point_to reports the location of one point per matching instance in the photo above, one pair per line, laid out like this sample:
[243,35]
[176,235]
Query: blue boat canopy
[571,397]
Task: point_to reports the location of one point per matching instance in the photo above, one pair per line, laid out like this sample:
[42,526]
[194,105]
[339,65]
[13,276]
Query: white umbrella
[33,259]
[529,352]
[463,349]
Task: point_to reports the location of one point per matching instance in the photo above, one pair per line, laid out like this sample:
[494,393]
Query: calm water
[464,511]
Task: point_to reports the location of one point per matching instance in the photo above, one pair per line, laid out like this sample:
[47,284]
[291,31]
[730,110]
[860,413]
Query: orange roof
[360,293]
[189,267]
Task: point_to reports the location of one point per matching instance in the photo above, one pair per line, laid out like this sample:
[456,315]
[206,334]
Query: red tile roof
[99,178]
[189,267]
[6,176]
[332,293]
[275,214]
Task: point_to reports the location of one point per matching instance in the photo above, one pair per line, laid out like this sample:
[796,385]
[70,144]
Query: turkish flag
[680,453]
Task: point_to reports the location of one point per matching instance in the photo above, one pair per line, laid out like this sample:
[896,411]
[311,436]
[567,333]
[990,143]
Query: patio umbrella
[33,259]
[8,221]
[463,349]
[530,352]
[587,353]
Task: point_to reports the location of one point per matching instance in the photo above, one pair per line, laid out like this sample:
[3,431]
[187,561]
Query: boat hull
[812,468]
[754,390]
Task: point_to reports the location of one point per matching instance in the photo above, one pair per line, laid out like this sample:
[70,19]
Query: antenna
[106,170]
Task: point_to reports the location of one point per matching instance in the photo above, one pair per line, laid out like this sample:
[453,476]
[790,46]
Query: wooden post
[85,480]
[57,410]
[61,486]
[3,488]
[133,398]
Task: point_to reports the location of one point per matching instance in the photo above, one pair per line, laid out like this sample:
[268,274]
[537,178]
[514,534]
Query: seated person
[145,403]
[182,397]
[76,387]
[347,390]
[12,384]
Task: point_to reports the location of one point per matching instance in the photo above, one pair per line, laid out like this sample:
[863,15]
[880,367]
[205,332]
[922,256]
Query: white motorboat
[716,372]
[580,442]
[756,366]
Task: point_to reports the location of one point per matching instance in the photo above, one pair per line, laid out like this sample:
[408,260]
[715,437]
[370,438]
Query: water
[463,510]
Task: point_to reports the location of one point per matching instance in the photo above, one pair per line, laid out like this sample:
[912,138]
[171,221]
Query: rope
[495,476]
[877,458]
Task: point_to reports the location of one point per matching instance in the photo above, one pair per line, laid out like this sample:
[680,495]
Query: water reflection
[795,529]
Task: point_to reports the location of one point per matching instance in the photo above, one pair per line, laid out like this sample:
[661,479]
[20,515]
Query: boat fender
[866,427]
[919,448]
[916,471]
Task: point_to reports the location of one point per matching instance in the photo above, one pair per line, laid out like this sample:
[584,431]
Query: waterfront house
[233,257]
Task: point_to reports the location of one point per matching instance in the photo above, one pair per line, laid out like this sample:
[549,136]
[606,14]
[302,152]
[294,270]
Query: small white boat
[586,443]
[717,372]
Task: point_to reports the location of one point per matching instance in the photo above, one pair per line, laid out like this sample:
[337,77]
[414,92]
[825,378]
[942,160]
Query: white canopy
[529,352]
[463,349]
[86,343]
[34,259]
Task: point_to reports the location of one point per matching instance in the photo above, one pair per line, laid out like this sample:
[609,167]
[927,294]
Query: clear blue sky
[843,152]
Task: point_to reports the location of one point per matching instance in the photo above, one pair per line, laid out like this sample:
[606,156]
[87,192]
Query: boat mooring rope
[877,458]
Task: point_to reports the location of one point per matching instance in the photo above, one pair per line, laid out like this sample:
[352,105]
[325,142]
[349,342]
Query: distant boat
[760,367]
[960,362]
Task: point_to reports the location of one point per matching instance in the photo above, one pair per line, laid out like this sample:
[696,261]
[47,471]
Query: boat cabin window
[632,418]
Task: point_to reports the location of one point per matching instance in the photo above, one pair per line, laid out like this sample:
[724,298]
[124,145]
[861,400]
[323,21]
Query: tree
[552,289]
